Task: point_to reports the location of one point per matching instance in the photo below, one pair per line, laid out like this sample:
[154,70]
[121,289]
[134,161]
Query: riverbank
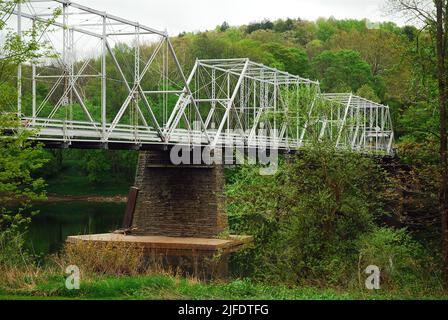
[160,287]
[54,198]
[57,199]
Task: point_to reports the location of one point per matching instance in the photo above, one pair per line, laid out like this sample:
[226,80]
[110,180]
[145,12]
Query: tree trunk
[441,58]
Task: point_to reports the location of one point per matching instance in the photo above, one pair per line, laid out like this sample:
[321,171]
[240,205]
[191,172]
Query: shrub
[307,218]
[17,268]
[403,262]
[108,258]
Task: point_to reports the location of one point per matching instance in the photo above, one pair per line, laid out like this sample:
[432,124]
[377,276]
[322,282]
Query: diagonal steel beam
[230,104]
[117,65]
[171,123]
[198,113]
[68,89]
[136,90]
[84,108]
[344,120]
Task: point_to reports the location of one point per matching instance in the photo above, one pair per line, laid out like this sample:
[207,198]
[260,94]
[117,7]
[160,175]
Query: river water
[55,222]
[49,230]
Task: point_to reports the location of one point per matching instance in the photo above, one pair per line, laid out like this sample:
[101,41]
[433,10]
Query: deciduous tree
[433,14]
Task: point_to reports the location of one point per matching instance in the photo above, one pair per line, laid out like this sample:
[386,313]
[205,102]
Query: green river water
[55,222]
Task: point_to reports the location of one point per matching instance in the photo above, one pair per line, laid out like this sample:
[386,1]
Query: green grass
[170,288]
[73,182]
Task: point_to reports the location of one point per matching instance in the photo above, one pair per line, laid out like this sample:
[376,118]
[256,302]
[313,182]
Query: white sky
[199,15]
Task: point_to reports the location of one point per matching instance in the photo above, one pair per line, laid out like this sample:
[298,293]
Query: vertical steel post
[137,56]
[228,98]
[19,68]
[103,80]
[34,93]
[230,104]
[344,120]
[64,34]
[72,59]
[67,70]
[136,82]
[275,109]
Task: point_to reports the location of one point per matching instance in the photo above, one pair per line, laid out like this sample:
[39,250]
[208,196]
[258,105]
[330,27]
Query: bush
[20,159]
[11,249]
[107,258]
[17,268]
[315,224]
[403,262]
[307,218]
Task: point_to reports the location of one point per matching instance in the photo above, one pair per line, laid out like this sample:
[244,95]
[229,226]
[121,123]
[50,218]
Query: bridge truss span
[366,126]
[112,82]
[243,100]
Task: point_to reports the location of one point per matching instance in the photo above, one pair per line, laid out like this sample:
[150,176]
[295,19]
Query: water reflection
[49,230]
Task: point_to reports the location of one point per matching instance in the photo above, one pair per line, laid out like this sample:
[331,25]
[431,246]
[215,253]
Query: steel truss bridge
[114,83]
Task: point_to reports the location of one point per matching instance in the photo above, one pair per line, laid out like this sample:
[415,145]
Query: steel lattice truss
[222,101]
[366,126]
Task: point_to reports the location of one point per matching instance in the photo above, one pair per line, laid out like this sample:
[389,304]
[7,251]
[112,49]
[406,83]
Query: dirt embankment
[58,198]
[53,198]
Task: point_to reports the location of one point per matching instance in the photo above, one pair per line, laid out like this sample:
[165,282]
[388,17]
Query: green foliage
[402,261]
[263,25]
[325,29]
[97,167]
[317,208]
[224,27]
[341,70]
[314,223]
[367,92]
[284,25]
[8,97]
[418,126]
[20,158]
[292,60]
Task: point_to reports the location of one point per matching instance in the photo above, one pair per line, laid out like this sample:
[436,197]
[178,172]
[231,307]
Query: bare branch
[421,11]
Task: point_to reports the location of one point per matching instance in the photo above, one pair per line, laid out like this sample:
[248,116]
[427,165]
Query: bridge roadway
[83,135]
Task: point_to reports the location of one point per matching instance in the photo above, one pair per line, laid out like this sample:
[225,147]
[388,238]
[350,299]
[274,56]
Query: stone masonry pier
[178,201]
[177,214]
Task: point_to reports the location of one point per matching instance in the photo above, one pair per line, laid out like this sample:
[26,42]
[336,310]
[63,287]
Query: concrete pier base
[179,217]
[203,258]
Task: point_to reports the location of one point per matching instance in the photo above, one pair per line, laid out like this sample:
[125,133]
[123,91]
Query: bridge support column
[179,219]
[179,201]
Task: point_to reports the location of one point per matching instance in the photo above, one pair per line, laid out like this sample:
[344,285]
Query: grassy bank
[172,288]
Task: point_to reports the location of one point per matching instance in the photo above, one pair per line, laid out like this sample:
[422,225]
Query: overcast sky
[199,15]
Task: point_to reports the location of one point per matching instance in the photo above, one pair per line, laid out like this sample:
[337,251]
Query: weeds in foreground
[119,272]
